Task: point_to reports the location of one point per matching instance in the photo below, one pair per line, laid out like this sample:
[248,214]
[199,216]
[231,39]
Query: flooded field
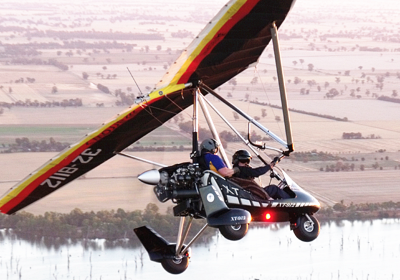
[344,250]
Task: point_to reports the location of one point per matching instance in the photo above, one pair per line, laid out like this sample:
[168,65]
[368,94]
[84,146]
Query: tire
[235,232]
[175,265]
[307,231]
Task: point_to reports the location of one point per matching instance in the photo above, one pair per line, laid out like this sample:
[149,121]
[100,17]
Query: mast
[213,129]
[195,124]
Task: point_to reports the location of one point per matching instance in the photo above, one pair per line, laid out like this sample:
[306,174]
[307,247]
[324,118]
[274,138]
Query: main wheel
[175,265]
[235,232]
[307,230]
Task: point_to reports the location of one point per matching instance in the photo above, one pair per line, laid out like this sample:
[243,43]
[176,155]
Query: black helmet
[242,156]
[209,145]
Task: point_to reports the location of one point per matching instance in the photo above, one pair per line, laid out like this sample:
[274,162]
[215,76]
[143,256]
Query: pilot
[209,160]
[241,160]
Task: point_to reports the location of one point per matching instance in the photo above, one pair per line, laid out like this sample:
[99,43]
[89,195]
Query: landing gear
[235,232]
[175,265]
[307,228]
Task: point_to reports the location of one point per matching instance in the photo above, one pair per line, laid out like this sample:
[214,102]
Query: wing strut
[282,88]
[243,114]
[141,159]
[254,150]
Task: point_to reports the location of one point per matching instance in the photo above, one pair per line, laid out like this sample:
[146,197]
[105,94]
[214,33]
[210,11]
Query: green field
[65,134]
[163,136]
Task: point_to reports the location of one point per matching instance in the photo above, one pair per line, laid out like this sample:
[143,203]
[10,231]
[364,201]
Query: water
[344,250]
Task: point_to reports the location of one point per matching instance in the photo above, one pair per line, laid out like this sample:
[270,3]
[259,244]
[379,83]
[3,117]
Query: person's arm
[249,172]
[220,166]
[226,172]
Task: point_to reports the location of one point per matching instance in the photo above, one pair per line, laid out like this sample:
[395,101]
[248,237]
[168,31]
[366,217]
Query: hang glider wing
[232,41]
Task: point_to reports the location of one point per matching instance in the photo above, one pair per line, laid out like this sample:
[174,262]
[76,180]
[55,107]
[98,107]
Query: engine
[178,182]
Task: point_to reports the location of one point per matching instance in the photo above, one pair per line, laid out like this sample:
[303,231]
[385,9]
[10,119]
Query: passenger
[241,160]
[209,159]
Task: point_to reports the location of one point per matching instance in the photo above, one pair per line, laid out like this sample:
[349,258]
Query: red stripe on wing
[218,37]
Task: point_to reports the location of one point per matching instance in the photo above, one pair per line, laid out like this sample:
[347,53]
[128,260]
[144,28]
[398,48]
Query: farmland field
[336,64]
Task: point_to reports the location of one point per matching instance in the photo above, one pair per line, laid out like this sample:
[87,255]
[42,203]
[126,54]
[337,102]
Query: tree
[232,82]
[85,75]
[54,90]
[339,207]
[263,113]
[310,67]
[235,116]
[297,80]
[311,83]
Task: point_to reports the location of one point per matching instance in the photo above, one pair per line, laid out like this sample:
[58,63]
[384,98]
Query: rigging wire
[269,101]
[135,81]
[150,109]
[182,110]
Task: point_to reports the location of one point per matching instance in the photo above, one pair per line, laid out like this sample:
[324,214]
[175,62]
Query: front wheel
[175,265]
[235,232]
[307,228]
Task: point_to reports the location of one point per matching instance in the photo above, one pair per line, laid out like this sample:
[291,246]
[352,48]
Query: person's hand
[274,162]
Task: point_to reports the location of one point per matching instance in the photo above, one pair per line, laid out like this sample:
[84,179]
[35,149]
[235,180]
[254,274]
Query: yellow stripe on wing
[64,156]
[223,20]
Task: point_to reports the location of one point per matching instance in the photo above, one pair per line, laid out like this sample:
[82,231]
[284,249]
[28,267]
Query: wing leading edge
[233,40]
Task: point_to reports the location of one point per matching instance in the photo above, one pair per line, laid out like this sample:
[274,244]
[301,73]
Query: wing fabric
[233,40]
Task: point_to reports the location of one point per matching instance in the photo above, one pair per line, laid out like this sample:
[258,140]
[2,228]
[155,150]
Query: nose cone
[151,177]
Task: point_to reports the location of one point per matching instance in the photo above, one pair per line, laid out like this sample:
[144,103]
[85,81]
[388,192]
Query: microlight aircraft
[230,43]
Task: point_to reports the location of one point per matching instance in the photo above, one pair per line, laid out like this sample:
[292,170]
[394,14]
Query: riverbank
[119,224]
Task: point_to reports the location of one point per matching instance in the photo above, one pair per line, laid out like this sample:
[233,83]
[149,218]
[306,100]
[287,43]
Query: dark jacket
[247,172]
[245,179]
